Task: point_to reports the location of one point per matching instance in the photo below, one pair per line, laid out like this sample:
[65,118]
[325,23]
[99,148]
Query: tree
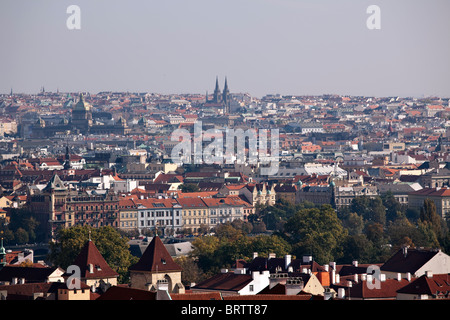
[191,271]
[108,241]
[316,231]
[393,207]
[428,215]
[358,247]
[354,223]
[188,187]
[371,209]
[21,236]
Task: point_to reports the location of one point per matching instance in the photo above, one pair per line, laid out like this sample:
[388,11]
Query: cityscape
[258,154]
[357,207]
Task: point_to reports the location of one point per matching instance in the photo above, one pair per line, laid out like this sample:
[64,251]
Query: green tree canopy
[317,231]
[108,241]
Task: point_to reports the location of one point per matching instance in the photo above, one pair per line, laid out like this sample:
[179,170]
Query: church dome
[82,105]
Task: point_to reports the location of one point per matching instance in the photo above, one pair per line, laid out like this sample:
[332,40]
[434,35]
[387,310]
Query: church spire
[217,91]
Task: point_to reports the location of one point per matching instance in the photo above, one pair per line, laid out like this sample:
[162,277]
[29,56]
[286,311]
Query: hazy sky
[262,46]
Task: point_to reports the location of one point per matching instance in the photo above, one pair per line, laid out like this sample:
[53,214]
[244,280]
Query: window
[251,288]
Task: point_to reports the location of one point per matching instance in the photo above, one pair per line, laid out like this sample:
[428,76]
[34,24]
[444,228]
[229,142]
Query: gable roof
[55,183]
[30,274]
[409,260]
[387,290]
[156,258]
[435,285]
[89,255]
[225,281]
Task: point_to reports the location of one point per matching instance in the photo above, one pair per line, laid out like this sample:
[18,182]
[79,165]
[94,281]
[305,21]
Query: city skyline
[262,47]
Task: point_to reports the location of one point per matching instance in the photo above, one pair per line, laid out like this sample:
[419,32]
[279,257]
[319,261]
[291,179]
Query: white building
[161,214]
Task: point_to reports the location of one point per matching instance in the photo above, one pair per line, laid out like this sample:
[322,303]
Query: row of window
[152,223]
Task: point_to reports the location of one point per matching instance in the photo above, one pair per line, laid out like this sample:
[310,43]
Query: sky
[288,47]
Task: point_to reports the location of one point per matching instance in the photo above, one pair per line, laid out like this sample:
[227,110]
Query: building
[81,122]
[49,205]
[195,214]
[128,215]
[92,208]
[409,263]
[156,267]
[94,270]
[427,287]
[234,283]
[226,209]
[161,215]
[221,100]
[286,192]
[439,196]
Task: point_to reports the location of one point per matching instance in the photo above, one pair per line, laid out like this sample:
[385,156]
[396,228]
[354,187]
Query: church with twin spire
[220,99]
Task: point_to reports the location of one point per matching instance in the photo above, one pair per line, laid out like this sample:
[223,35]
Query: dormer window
[163,261]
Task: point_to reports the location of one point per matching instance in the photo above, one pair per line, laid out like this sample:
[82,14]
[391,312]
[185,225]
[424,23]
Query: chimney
[294,286]
[363,276]
[333,276]
[91,268]
[255,255]
[326,267]
[341,293]
[355,277]
[307,259]
[382,277]
[355,263]
[287,261]
[333,265]
[405,251]
[272,255]
[338,278]
[429,274]
[399,276]
[162,285]
[408,276]
[276,278]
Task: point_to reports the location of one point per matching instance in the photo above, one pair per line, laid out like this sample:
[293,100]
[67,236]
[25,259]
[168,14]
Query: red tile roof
[89,255]
[156,258]
[435,285]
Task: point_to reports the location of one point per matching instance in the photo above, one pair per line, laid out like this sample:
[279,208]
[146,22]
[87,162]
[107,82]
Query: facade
[161,215]
[96,210]
[227,209]
[49,205]
[261,193]
[128,215]
[195,214]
